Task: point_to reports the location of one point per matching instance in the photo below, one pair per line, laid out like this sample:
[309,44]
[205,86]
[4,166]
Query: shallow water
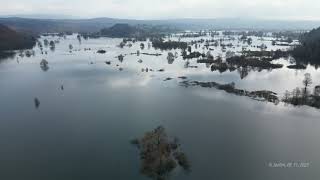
[83,131]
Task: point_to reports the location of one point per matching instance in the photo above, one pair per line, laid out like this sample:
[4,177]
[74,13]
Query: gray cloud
[163,9]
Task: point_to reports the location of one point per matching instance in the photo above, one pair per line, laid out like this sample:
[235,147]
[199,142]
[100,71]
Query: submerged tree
[70,47]
[36,103]
[142,46]
[44,65]
[170,58]
[189,49]
[52,45]
[249,41]
[301,96]
[307,81]
[121,58]
[316,91]
[159,154]
[46,42]
[79,38]
[286,97]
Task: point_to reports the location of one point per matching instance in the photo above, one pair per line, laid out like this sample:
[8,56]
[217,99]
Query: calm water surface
[83,131]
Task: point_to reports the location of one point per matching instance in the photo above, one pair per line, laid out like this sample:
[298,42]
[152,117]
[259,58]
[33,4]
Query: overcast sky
[167,9]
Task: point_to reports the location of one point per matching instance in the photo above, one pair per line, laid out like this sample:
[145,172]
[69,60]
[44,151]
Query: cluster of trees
[242,61]
[160,155]
[244,33]
[193,35]
[192,55]
[288,34]
[271,55]
[168,45]
[303,96]
[309,50]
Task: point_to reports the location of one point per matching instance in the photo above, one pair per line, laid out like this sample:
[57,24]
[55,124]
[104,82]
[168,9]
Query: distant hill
[96,24]
[120,30]
[136,31]
[12,40]
[40,16]
[309,50]
[61,25]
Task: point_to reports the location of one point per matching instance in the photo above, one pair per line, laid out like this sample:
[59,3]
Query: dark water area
[87,112]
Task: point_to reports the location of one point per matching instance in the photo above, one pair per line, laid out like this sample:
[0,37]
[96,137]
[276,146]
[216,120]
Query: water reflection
[243,72]
[7,55]
[83,120]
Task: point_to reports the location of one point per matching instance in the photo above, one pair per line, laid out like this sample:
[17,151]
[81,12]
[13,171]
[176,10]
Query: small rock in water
[161,70]
[108,62]
[62,87]
[168,79]
[120,69]
[140,61]
[101,51]
[182,77]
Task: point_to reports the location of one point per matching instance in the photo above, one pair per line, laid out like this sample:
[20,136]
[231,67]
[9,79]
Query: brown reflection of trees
[160,155]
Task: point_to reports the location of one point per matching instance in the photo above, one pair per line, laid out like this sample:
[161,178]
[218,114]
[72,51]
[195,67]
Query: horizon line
[68,17]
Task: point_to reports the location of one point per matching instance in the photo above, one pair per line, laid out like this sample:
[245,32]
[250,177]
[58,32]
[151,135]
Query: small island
[159,154]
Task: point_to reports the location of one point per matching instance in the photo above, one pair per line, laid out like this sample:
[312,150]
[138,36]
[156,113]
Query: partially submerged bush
[159,154]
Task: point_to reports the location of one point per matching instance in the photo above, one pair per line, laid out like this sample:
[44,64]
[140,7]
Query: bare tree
[286,97]
[296,96]
[316,91]
[307,81]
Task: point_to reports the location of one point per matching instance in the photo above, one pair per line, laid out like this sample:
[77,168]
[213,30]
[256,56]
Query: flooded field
[73,115]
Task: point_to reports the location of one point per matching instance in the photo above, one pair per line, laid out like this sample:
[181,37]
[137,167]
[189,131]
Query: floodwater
[75,119]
